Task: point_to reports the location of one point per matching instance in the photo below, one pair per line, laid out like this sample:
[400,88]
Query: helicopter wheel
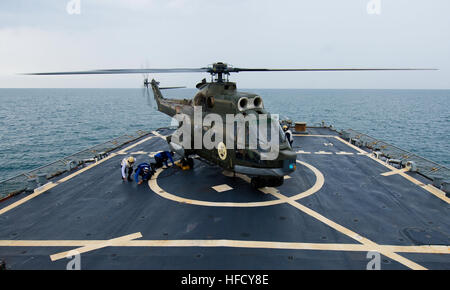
[275,181]
[257,182]
[190,162]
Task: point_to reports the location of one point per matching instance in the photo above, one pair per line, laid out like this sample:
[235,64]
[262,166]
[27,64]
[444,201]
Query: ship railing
[28,181]
[425,167]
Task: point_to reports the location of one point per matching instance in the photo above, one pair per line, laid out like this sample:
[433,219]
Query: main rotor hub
[219,69]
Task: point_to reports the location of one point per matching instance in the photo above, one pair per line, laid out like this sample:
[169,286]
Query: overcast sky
[39,36]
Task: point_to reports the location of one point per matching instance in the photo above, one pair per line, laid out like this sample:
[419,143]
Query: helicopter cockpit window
[282,135]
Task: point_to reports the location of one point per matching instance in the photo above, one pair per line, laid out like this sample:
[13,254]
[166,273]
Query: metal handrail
[18,183]
[426,167]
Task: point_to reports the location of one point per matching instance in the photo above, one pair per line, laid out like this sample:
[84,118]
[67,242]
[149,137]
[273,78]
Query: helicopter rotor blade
[124,71]
[219,68]
[322,69]
[171,88]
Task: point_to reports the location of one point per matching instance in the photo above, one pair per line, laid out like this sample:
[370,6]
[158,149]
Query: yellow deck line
[159,135]
[374,246]
[44,189]
[103,244]
[344,153]
[123,151]
[366,245]
[393,172]
[323,153]
[436,192]
[128,242]
[307,135]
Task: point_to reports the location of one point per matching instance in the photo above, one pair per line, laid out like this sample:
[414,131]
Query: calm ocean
[38,126]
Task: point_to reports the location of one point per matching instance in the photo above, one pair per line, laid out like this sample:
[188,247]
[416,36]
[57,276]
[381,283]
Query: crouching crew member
[288,134]
[144,170]
[162,157]
[127,168]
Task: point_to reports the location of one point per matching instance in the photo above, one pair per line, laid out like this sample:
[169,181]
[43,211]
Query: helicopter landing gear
[190,162]
[187,163]
[259,181]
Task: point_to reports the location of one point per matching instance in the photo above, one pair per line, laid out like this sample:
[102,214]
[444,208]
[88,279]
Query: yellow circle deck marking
[316,187]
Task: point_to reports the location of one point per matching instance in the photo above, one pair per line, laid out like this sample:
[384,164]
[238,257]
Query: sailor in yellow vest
[127,168]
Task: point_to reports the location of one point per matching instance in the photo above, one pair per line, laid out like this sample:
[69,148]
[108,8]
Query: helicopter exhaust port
[242,104]
[258,103]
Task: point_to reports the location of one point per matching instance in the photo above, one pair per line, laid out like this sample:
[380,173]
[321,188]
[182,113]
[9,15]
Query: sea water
[38,126]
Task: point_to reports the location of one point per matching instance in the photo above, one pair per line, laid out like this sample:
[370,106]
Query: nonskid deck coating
[355,210]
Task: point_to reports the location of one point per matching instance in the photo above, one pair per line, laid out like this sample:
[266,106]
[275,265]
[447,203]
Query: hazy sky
[39,36]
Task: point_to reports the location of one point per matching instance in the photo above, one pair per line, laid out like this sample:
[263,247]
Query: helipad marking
[436,192]
[428,249]
[153,184]
[138,153]
[393,172]
[88,248]
[351,234]
[323,153]
[222,188]
[124,150]
[307,135]
[159,135]
[39,192]
[344,153]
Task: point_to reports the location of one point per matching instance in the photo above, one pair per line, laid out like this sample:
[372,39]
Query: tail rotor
[145,89]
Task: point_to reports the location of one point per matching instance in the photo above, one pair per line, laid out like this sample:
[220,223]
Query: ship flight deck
[338,207]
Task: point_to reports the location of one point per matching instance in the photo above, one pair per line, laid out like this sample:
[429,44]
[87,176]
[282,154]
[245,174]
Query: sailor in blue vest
[145,171]
[162,157]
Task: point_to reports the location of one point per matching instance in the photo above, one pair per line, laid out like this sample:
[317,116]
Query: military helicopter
[220,96]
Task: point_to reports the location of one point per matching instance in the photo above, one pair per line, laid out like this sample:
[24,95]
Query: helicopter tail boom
[169,107]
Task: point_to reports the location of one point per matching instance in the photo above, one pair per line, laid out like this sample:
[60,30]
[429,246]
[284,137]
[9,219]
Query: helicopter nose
[289,160]
[287,155]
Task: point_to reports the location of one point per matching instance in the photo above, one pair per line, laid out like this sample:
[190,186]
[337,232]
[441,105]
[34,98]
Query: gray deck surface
[355,198]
